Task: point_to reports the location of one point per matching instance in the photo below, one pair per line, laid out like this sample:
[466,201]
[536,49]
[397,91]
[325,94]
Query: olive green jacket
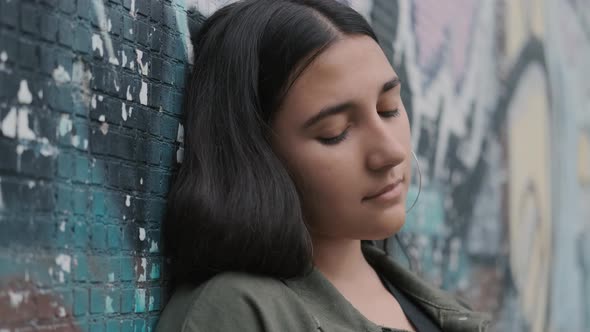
[242,302]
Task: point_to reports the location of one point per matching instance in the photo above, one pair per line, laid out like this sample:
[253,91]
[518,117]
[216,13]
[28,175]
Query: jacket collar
[325,301]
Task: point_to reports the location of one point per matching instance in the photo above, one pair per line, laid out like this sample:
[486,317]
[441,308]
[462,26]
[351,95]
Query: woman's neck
[340,260]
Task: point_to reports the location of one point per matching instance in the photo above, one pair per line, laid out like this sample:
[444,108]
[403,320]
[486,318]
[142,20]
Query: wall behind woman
[90,97]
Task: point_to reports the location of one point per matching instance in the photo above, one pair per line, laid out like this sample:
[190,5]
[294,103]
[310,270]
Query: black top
[420,321]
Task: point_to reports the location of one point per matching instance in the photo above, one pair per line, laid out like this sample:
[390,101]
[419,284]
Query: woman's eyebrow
[341,108]
[390,84]
[328,111]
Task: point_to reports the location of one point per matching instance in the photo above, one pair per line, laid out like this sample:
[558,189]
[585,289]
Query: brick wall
[90,96]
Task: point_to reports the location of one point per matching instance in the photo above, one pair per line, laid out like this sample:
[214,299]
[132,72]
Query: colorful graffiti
[90,102]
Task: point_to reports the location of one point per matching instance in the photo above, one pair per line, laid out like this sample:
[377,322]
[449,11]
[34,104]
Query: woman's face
[343,133]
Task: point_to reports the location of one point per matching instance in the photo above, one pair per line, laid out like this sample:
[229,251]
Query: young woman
[297,148]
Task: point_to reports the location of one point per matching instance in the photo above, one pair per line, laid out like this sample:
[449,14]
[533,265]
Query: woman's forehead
[353,67]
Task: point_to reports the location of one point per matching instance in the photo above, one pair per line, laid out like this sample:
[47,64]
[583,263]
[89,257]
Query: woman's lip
[385,191]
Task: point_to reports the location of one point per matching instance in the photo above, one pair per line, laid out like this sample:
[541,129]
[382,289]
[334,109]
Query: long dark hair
[233,206]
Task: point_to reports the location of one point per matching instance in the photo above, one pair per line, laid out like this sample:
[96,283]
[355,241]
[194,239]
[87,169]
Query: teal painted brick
[151,323]
[9,12]
[67,6]
[28,54]
[97,326]
[98,200]
[127,300]
[155,299]
[80,267]
[83,9]
[139,325]
[82,38]
[65,165]
[114,235]
[98,237]
[65,33]
[80,201]
[127,268]
[64,198]
[140,300]
[49,27]
[154,269]
[80,234]
[112,301]
[113,326]
[81,301]
[114,272]
[126,326]
[29,18]
[97,300]
[99,268]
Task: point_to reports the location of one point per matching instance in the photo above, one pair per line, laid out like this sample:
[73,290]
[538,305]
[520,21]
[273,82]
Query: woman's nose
[384,149]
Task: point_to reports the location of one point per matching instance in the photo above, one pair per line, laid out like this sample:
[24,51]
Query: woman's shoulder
[229,300]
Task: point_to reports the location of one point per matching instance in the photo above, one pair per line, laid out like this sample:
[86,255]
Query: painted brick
[9,12]
[29,19]
[49,27]
[67,6]
[81,301]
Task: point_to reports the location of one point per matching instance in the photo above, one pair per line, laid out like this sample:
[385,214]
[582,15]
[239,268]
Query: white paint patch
[61,312]
[3,56]
[40,94]
[141,181]
[129,97]
[60,75]
[143,67]
[23,130]
[142,276]
[85,145]
[16,298]
[129,111]
[113,60]
[65,125]
[117,87]
[19,150]
[62,226]
[127,201]
[102,118]
[75,140]
[108,305]
[64,261]
[61,277]
[141,233]
[143,96]
[9,123]
[93,102]
[123,112]
[180,155]
[24,94]
[154,247]
[111,277]
[100,98]
[47,149]
[109,25]
[132,10]
[180,134]
[124,58]
[104,128]
[97,44]
[31,184]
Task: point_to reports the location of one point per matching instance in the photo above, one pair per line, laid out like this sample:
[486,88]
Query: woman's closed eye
[342,136]
[390,114]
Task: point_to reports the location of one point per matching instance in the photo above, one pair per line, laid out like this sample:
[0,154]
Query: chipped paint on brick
[60,75]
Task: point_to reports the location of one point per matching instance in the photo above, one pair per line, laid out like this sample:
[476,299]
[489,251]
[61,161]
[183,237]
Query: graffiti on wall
[89,136]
